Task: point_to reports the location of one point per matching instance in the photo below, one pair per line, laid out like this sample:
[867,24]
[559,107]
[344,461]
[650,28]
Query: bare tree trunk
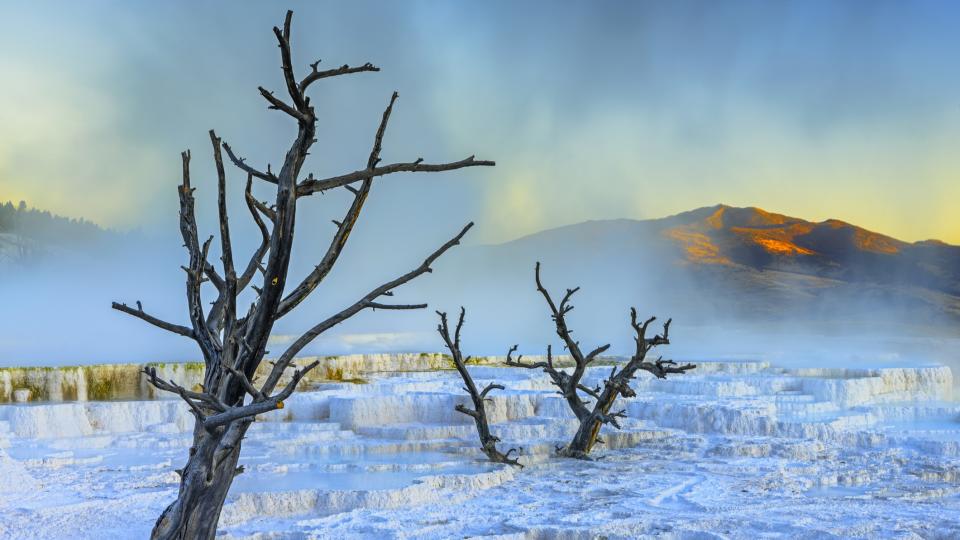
[204,484]
[586,436]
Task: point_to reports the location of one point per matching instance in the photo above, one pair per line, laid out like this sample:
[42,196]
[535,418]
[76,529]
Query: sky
[843,109]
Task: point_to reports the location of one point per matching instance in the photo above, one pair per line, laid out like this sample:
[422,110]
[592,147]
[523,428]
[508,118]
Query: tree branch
[257,258]
[262,207]
[469,412]
[229,292]
[592,392]
[378,305]
[245,381]
[519,361]
[213,276]
[283,39]
[596,352]
[278,105]
[489,387]
[140,314]
[311,185]
[661,368]
[259,323]
[198,262]
[316,75]
[190,397]
[242,165]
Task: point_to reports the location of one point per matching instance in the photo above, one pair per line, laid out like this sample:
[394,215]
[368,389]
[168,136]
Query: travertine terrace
[733,450]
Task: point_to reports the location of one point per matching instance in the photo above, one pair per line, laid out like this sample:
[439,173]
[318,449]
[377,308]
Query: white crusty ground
[733,450]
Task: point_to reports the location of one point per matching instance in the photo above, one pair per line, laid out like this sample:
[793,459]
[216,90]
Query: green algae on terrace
[126,381]
[96,382]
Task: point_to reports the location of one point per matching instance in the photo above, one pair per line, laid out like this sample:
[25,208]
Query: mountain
[723,262]
[751,238]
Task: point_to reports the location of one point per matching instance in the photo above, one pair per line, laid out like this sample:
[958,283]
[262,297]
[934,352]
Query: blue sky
[845,109]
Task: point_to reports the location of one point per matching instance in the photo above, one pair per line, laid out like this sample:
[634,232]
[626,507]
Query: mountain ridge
[753,238]
[719,206]
[715,263]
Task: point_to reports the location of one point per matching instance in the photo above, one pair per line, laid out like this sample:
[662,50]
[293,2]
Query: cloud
[630,110]
[641,160]
[62,147]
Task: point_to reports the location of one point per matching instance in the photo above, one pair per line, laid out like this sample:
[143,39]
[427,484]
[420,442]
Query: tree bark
[204,484]
[586,436]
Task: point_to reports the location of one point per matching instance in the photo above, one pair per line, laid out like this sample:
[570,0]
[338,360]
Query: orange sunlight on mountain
[877,243]
[782,248]
[716,220]
[697,246]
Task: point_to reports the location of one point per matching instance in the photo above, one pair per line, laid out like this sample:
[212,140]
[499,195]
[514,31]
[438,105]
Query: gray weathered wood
[617,384]
[488,442]
[233,347]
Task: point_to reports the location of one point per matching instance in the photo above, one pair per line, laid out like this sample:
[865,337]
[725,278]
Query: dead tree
[488,442]
[233,344]
[617,384]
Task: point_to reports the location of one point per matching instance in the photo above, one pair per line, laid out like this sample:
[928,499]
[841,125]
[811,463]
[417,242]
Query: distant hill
[721,262]
[754,239]
[29,234]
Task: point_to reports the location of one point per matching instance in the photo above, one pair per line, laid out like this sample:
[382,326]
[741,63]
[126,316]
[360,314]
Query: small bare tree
[233,345]
[617,384]
[488,442]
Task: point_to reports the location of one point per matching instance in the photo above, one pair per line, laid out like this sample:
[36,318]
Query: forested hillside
[29,235]
[48,229]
